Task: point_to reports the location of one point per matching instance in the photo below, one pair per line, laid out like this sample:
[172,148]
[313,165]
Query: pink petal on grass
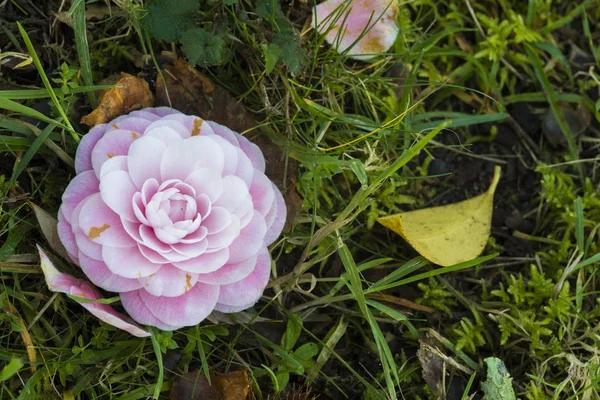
[104,312]
[83,156]
[246,292]
[64,283]
[169,281]
[343,23]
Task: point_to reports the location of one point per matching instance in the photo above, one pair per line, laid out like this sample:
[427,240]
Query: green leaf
[306,351]
[287,39]
[292,333]
[271,53]
[10,369]
[168,20]
[202,48]
[498,384]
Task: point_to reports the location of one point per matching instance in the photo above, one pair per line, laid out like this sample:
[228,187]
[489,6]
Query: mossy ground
[518,80]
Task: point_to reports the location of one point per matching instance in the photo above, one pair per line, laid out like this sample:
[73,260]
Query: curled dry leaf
[189,91]
[194,386]
[131,93]
[48,226]
[450,234]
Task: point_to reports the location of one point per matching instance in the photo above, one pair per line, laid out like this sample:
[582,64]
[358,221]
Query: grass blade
[552,99]
[44,78]
[83,50]
[37,143]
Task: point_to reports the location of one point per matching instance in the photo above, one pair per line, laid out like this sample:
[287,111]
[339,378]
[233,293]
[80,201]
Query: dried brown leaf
[191,92]
[194,386]
[131,93]
[48,226]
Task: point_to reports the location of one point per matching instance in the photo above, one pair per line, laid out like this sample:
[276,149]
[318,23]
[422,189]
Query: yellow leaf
[450,234]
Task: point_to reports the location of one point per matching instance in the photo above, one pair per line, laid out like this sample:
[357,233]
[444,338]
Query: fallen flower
[363,28]
[172,212]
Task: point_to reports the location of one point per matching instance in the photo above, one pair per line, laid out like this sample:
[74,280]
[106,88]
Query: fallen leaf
[186,89]
[131,93]
[194,386]
[432,365]
[48,226]
[498,384]
[450,234]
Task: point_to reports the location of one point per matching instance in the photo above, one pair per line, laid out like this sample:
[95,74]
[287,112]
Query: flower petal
[67,237]
[183,157]
[163,111]
[117,192]
[65,283]
[246,292]
[135,307]
[101,276]
[83,156]
[234,193]
[206,262]
[144,159]
[101,224]
[169,281]
[262,193]
[280,211]
[250,240]
[81,186]
[218,219]
[186,310]
[206,181]
[230,273]
[128,262]
[117,163]
[226,236]
[115,143]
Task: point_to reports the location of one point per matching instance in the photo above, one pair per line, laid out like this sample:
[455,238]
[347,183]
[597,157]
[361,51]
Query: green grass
[349,304]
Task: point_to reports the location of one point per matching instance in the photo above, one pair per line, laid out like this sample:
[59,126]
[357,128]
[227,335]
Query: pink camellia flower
[363,28]
[174,213]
